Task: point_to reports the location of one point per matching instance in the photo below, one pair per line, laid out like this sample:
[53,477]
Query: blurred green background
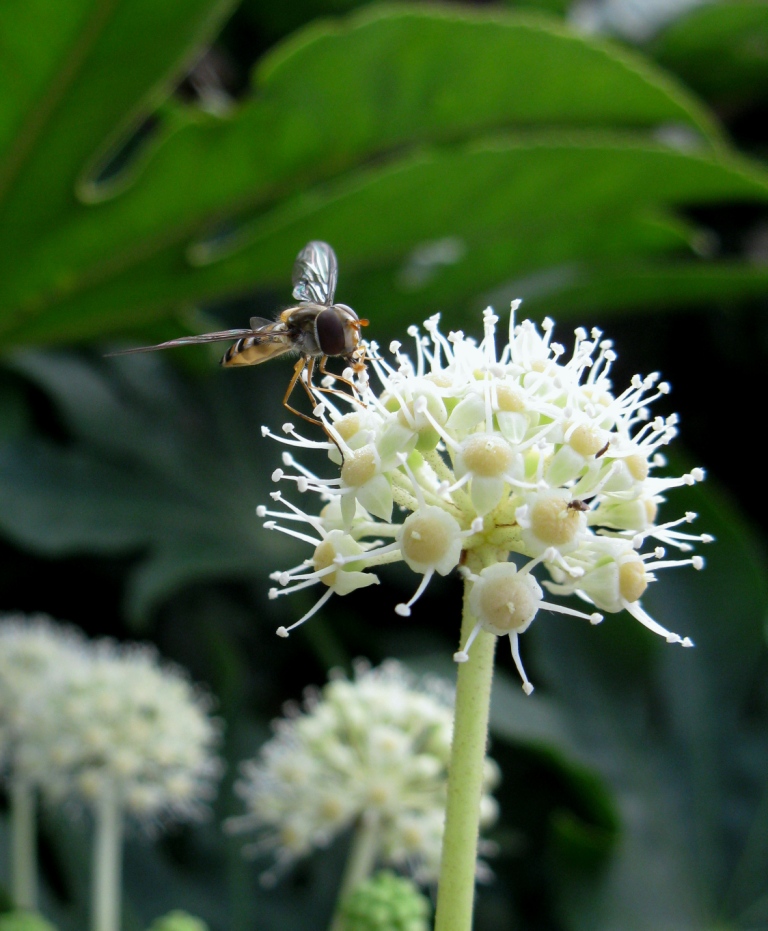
[161,164]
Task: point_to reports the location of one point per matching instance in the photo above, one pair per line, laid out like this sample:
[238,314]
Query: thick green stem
[24,851]
[360,862]
[456,885]
[107,863]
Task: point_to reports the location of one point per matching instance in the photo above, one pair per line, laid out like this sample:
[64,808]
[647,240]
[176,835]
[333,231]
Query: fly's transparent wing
[314,274]
[219,337]
[261,323]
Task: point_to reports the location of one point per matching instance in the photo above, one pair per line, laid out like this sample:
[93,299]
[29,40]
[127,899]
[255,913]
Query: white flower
[485,462]
[373,750]
[520,454]
[430,540]
[122,722]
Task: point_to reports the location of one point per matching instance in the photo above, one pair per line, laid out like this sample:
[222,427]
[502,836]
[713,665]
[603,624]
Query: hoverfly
[316,328]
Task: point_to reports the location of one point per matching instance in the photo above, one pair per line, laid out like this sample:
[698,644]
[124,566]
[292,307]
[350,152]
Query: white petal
[346,582]
[376,497]
[348,509]
[394,439]
[486,493]
[467,414]
[513,425]
[565,466]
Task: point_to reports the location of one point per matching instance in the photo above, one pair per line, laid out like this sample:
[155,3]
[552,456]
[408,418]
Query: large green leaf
[514,205]
[99,65]
[571,290]
[399,96]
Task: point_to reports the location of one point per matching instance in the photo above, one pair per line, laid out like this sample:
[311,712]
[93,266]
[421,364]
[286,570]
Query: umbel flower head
[371,752]
[121,723]
[519,464]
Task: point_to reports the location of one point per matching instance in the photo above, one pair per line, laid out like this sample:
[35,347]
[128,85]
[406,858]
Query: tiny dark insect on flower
[316,328]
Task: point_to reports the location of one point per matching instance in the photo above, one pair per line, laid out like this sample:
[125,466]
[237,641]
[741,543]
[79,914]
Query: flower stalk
[24,854]
[107,862]
[361,861]
[456,884]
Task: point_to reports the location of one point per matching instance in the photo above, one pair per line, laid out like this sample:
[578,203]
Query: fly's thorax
[320,330]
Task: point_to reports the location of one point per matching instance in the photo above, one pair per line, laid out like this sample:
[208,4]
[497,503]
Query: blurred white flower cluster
[34,654]
[490,453]
[372,753]
[635,20]
[81,718]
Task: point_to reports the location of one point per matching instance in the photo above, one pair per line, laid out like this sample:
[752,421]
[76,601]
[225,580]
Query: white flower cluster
[371,751]
[493,453]
[96,717]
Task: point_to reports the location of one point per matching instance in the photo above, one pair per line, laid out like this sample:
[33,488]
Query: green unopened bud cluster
[31,921]
[23,920]
[178,921]
[385,902]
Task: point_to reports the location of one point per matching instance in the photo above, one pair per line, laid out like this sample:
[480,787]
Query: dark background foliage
[160,166]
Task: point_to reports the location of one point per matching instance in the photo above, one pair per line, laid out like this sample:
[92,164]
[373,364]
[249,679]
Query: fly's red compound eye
[329,332]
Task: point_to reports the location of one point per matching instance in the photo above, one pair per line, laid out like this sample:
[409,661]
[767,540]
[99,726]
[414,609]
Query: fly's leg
[357,365]
[308,363]
[301,364]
